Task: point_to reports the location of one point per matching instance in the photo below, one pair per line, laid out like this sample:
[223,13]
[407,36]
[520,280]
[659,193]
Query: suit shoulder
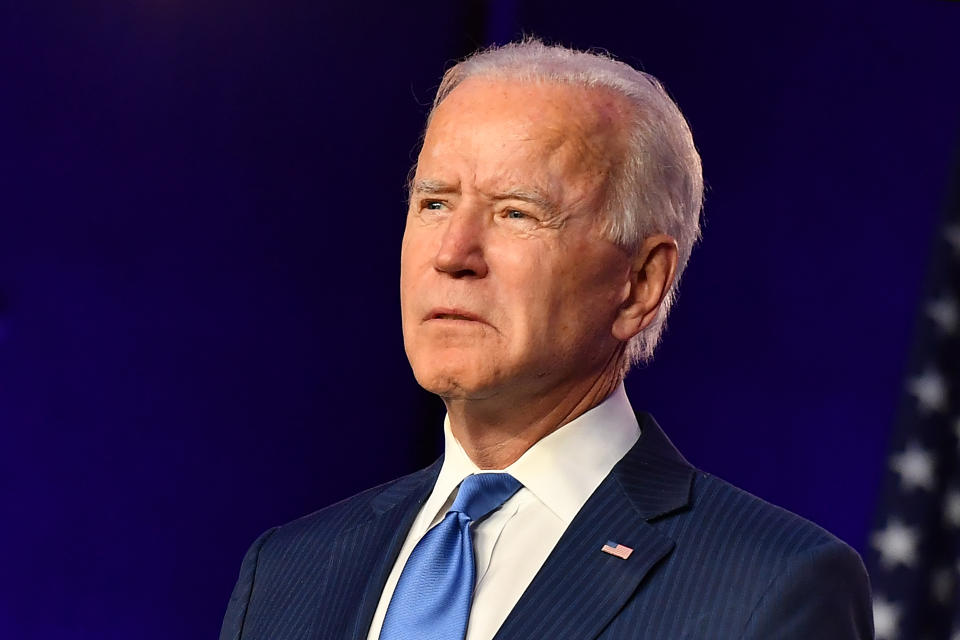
[349,512]
[743,520]
[794,578]
[754,563]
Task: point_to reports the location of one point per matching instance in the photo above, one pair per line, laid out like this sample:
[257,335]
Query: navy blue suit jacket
[709,561]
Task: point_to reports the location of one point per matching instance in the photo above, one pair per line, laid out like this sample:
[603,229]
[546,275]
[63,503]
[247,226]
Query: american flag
[914,548]
[617,549]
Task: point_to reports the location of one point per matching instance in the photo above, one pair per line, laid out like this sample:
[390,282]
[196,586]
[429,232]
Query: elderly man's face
[507,286]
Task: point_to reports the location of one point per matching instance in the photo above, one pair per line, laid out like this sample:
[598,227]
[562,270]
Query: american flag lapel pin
[616,549]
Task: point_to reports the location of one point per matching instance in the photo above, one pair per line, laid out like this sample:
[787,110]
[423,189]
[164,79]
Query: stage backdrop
[200,221]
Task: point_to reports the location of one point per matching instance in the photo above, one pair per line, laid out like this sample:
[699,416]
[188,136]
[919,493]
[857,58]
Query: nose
[460,253]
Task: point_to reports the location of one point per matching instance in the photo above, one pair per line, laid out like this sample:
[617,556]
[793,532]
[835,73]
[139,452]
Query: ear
[651,276]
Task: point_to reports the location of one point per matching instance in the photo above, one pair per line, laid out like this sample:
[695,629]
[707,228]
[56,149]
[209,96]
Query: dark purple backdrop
[199,235]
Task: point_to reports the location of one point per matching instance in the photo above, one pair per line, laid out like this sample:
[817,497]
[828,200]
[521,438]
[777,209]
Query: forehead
[489,125]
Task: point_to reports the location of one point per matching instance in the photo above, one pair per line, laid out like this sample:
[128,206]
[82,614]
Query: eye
[432,205]
[518,218]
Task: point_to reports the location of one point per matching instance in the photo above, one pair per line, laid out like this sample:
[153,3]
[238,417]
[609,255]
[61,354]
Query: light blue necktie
[433,595]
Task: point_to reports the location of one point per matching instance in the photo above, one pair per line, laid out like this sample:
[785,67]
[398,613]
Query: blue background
[200,218]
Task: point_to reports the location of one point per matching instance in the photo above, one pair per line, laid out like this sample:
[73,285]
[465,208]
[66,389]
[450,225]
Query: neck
[495,432]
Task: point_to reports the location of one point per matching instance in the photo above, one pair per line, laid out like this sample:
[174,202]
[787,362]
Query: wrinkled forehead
[558,128]
[589,109]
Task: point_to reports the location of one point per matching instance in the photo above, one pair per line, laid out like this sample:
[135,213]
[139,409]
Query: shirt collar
[561,470]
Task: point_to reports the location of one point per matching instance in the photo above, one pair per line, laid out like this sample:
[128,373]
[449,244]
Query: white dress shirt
[558,474]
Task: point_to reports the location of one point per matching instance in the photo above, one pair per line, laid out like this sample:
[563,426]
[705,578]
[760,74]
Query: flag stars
[897,545]
[886,619]
[915,467]
[913,552]
[945,314]
[930,390]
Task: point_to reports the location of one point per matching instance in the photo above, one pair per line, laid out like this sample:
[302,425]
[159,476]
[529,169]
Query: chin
[458,381]
[446,385]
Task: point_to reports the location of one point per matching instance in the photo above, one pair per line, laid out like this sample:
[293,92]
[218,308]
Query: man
[554,206]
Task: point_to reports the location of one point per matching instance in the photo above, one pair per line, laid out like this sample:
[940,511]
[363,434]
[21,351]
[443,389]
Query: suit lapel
[579,588]
[395,510]
[362,556]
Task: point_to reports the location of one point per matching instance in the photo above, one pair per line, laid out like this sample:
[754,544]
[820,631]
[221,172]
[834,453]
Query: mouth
[452,314]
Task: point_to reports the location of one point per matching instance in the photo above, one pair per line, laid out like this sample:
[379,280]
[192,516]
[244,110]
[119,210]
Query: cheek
[538,305]
[408,248]
[585,295]
[415,257]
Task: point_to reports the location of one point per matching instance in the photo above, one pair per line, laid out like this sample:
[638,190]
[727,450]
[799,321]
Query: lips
[444,313]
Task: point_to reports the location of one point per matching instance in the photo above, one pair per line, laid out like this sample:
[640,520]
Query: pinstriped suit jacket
[710,562]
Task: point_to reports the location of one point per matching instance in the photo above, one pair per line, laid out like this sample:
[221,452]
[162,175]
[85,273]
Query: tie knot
[481,493]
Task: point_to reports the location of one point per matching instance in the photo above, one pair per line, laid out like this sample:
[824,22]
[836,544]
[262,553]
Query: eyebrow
[433,187]
[533,196]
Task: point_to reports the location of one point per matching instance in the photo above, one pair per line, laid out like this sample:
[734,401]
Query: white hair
[656,188]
